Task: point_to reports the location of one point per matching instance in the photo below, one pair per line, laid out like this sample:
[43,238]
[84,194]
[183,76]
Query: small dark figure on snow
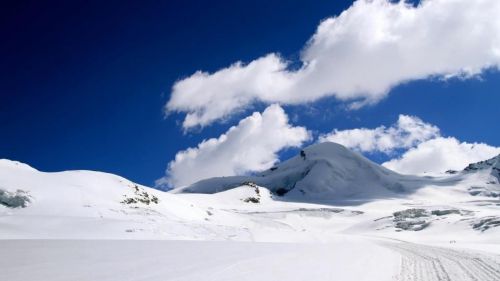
[303,154]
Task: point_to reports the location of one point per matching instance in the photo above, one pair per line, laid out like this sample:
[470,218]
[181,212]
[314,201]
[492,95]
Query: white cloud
[426,149]
[441,154]
[407,132]
[357,57]
[249,146]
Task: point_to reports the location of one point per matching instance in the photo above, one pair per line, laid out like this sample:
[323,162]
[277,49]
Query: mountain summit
[491,165]
[324,170]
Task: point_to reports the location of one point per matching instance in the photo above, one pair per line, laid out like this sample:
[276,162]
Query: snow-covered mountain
[492,165]
[326,194]
[331,172]
[325,170]
[80,203]
[483,178]
[325,179]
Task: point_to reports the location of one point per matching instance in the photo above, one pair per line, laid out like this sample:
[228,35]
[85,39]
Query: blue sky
[84,83]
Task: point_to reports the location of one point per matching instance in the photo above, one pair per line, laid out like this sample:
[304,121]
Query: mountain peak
[333,153]
[322,170]
[328,150]
[493,163]
[490,166]
[331,147]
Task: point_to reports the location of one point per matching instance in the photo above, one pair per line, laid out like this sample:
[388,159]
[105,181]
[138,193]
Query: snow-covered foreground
[102,260]
[348,258]
[328,214]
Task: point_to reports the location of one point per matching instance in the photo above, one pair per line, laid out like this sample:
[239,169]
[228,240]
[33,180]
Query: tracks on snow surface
[428,263]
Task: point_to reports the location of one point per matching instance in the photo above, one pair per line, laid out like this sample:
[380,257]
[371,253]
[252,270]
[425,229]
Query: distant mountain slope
[325,170]
[491,165]
[324,191]
[484,177]
[84,202]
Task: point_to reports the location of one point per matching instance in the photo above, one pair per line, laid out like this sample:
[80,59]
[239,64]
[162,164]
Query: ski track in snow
[429,263]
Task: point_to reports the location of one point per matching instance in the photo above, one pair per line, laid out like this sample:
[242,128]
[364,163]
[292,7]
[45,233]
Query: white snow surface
[343,217]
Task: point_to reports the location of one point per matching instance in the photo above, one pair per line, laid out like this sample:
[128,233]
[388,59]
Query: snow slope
[329,172]
[326,170]
[69,260]
[340,211]
[331,190]
[83,204]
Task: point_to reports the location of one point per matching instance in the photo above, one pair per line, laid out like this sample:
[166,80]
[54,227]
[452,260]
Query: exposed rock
[493,164]
[411,219]
[141,196]
[412,225]
[249,183]
[445,212]
[483,191]
[18,199]
[481,165]
[486,223]
[281,191]
[252,200]
[410,214]
[255,199]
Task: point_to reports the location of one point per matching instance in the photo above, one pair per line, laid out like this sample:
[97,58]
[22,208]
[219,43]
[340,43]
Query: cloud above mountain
[424,147]
[356,57]
[441,154]
[406,133]
[252,145]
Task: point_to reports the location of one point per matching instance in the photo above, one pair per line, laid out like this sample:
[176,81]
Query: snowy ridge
[483,178]
[6,163]
[83,204]
[491,165]
[326,170]
[324,181]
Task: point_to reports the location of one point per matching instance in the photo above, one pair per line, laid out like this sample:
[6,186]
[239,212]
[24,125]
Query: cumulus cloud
[252,145]
[441,154]
[357,57]
[425,149]
[407,132]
